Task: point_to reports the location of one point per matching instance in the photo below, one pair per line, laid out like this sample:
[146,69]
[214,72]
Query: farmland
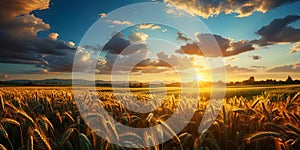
[264,117]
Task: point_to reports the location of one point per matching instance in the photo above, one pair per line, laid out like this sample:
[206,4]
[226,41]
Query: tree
[289,79]
[251,80]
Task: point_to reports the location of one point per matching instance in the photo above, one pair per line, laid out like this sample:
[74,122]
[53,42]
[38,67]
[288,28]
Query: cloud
[102,15]
[175,61]
[155,27]
[231,70]
[258,67]
[237,69]
[121,63]
[205,44]
[3,76]
[11,9]
[278,31]
[19,42]
[242,8]
[256,57]
[139,63]
[182,37]
[53,36]
[149,26]
[286,68]
[82,58]
[71,44]
[233,59]
[118,22]
[295,48]
[138,36]
[117,44]
[176,12]
[145,26]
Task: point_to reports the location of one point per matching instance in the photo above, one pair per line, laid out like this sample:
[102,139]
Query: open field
[264,117]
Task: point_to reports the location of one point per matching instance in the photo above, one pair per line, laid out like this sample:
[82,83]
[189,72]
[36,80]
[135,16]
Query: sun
[199,77]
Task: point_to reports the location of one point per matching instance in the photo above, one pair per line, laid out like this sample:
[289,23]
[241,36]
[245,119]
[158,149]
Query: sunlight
[199,77]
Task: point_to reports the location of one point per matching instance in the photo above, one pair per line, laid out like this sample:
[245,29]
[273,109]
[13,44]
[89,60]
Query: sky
[168,40]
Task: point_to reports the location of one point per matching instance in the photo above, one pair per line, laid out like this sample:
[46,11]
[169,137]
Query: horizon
[168,82]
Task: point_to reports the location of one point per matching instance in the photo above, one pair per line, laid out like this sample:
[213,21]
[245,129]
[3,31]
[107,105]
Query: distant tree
[251,80]
[289,79]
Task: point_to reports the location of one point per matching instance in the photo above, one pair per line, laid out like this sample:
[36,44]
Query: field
[264,117]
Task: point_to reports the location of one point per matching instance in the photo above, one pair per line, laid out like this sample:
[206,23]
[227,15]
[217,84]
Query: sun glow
[199,77]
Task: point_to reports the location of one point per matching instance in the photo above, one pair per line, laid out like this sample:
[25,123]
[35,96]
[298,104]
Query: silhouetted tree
[289,79]
[251,80]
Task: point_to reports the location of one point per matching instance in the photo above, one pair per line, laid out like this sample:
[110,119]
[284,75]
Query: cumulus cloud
[149,26]
[71,44]
[295,48]
[11,9]
[286,68]
[53,36]
[102,15]
[20,44]
[182,37]
[118,22]
[176,12]
[117,44]
[242,8]
[138,37]
[139,63]
[155,27]
[82,58]
[256,57]
[120,63]
[145,26]
[175,61]
[207,44]
[278,31]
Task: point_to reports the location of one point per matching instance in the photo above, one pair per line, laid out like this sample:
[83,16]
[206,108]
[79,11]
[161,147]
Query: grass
[48,118]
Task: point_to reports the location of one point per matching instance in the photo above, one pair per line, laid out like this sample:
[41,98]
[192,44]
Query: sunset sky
[39,39]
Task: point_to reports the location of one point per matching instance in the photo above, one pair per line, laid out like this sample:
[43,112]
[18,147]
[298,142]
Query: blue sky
[265,54]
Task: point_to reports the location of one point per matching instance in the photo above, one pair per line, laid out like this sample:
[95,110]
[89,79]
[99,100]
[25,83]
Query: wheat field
[48,118]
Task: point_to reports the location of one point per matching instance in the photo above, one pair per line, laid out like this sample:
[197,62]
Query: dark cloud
[209,8]
[19,42]
[139,63]
[286,68]
[117,44]
[208,44]
[256,57]
[163,63]
[182,37]
[278,31]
